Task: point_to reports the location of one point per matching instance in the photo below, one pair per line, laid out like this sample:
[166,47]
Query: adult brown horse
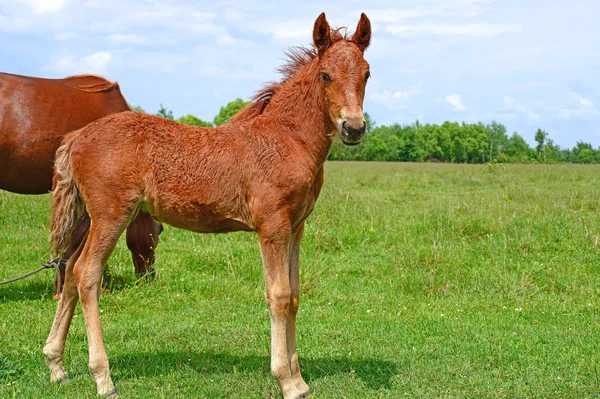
[261,172]
[35,114]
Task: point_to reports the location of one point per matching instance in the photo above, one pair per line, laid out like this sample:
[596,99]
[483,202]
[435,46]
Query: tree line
[449,142]
[224,115]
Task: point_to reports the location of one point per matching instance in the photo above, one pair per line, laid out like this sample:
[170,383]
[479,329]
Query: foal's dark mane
[295,59]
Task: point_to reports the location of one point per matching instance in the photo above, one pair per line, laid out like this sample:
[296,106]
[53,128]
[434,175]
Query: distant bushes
[458,143]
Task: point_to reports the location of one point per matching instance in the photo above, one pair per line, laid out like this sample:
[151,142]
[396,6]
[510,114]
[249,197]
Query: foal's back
[200,179]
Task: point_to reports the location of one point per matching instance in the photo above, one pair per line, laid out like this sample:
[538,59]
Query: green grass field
[418,281]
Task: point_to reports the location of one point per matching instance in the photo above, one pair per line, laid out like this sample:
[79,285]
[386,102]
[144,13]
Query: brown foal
[35,115]
[261,172]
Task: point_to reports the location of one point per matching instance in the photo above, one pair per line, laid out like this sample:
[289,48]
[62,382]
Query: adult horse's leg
[55,344]
[103,236]
[274,245]
[291,320]
[142,238]
[78,235]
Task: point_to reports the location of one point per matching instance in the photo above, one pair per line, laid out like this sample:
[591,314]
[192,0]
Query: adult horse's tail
[67,204]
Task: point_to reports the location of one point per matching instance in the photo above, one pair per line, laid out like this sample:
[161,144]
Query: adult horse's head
[344,74]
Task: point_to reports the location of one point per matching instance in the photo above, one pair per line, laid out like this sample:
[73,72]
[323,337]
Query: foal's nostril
[350,134]
[353,131]
[363,129]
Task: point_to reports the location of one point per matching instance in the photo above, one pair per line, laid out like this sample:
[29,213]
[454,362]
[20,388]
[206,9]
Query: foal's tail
[67,204]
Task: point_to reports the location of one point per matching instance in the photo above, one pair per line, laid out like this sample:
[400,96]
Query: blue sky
[526,64]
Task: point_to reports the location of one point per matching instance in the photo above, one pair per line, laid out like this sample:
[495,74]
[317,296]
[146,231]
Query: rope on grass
[53,264]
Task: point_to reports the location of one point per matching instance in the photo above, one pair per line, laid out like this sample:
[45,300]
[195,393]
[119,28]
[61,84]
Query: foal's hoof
[303,388]
[111,394]
[297,394]
[58,378]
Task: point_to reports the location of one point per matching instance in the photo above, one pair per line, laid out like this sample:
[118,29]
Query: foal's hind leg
[103,236]
[55,344]
[76,242]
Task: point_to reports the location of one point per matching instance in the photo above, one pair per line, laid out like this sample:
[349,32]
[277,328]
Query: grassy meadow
[418,281]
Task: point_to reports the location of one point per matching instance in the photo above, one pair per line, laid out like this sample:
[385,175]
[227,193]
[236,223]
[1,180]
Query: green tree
[497,140]
[476,142]
[582,153]
[414,144]
[375,149]
[553,152]
[226,113]
[540,138]
[586,156]
[517,149]
[165,113]
[136,108]
[192,120]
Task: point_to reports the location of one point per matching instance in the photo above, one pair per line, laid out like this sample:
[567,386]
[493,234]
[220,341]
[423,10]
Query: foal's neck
[300,103]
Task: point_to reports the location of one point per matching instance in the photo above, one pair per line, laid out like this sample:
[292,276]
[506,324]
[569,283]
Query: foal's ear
[362,36]
[321,35]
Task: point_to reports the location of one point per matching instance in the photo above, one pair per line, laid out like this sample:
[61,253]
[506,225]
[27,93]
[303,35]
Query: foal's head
[344,74]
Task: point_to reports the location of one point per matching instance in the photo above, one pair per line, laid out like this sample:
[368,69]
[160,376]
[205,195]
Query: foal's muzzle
[351,135]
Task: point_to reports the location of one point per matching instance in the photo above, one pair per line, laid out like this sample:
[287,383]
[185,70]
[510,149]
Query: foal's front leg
[274,247]
[291,320]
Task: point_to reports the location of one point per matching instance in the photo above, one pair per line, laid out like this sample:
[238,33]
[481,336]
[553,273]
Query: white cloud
[158,13]
[512,105]
[129,39]
[469,30]
[66,36]
[13,24]
[424,8]
[46,6]
[386,96]
[206,16]
[233,15]
[585,109]
[456,102]
[393,99]
[226,39]
[477,2]
[94,63]
[98,61]
[287,33]
[291,31]
[162,62]
[396,15]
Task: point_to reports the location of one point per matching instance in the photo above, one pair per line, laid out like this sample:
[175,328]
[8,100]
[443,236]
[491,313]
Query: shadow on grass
[24,290]
[27,291]
[376,374]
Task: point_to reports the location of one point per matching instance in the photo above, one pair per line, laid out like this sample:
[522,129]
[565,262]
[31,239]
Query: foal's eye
[325,77]
[367,76]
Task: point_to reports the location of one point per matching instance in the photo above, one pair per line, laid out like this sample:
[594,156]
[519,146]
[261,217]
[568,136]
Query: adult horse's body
[35,115]
[261,172]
